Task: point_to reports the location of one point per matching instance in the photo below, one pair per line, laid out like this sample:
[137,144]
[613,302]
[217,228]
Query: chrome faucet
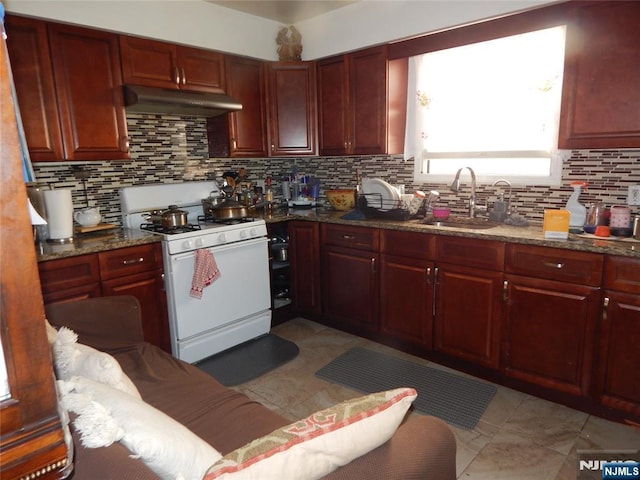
[474,208]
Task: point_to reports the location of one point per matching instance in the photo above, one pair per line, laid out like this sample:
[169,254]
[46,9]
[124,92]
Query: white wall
[195,22]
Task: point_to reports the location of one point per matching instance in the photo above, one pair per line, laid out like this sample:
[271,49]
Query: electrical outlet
[633,197]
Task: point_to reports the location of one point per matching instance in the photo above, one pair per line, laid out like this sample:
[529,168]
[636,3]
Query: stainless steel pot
[174,217]
[210,203]
[280,252]
[230,210]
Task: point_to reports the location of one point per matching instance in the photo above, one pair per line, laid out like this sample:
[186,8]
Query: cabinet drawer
[408,244]
[129,260]
[555,264]
[351,237]
[470,252]
[69,272]
[622,274]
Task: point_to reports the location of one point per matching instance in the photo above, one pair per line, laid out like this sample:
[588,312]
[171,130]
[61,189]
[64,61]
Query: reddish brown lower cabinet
[618,358]
[135,270]
[304,245]
[406,287]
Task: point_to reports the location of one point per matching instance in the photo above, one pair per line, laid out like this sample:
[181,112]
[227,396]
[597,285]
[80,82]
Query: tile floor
[519,436]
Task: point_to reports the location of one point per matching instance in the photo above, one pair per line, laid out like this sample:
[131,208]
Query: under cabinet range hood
[178,102]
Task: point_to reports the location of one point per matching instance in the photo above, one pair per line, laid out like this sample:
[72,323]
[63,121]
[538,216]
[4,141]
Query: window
[493,106]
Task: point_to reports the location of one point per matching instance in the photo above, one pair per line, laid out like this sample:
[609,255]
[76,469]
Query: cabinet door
[549,333]
[292,108]
[148,288]
[69,279]
[616,380]
[149,63]
[333,106]
[28,47]
[406,299]
[467,314]
[600,97]
[350,288]
[247,127]
[86,65]
[368,101]
[201,70]
[304,251]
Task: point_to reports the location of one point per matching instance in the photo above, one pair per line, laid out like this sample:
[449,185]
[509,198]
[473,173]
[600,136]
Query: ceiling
[284,11]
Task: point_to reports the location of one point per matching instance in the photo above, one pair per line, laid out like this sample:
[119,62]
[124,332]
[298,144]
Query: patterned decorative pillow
[315,446]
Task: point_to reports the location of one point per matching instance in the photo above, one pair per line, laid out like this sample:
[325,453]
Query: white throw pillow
[313,447]
[106,415]
[72,358]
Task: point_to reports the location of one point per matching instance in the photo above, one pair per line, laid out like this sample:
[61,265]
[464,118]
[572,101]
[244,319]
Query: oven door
[236,298]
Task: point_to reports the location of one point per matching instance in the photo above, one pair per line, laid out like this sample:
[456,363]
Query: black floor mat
[249,360]
[456,399]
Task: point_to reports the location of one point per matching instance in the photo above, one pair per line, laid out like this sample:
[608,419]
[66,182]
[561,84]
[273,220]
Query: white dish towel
[205,271]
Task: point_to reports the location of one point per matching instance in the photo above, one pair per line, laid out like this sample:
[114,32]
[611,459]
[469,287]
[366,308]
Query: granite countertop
[530,235]
[84,243]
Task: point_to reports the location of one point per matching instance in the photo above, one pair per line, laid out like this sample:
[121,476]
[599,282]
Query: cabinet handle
[176,76]
[553,265]
[164,283]
[349,237]
[133,261]
[234,144]
[435,276]
[373,265]
[505,290]
[605,308]
[428,272]
[184,77]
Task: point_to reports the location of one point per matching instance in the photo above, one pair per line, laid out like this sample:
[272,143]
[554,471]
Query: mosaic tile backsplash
[174,149]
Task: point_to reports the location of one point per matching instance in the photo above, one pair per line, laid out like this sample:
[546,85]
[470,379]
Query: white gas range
[235,307]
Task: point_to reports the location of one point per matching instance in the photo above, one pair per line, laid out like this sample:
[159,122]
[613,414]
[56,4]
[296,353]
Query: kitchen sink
[461,222]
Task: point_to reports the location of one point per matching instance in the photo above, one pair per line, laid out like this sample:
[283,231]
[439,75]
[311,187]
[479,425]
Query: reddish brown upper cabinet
[618,357]
[552,301]
[362,103]
[291,103]
[600,97]
[158,64]
[85,120]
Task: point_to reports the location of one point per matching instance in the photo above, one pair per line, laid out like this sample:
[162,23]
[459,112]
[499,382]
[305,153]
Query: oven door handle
[223,248]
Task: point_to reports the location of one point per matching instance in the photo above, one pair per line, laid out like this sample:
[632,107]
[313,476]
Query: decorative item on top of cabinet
[552,299]
[406,286]
[468,292]
[242,133]
[350,273]
[289,41]
[291,104]
[618,357]
[362,98]
[83,65]
[600,94]
[158,64]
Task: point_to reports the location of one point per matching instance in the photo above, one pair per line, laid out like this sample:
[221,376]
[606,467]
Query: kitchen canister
[59,209]
[620,216]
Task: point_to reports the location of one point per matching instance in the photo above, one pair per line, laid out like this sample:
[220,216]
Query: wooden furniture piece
[159,64]
[406,286]
[552,303]
[616,384]
[362,98]
[32,442]
[68,83]
[468,299]
[304,256]
[291,104]
[600,97]
[136,271]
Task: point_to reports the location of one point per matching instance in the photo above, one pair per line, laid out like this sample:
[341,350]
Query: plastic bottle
[577,211]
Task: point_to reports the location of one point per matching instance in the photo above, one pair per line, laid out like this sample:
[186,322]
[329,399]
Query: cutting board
[95,228]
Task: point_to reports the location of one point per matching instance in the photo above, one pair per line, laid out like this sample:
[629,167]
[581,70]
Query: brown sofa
[422,448]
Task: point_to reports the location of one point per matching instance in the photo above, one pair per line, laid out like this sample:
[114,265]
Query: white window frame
[470,159]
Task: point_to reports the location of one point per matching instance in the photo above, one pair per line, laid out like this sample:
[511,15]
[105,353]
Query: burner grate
[224,221]
[156,228]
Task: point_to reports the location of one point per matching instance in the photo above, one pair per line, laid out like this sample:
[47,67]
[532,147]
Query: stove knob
[187,244]
[243,234]
[222,238]
[253,232]
[199,242]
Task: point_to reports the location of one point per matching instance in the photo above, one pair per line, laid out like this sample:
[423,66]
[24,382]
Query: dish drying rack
[372,205]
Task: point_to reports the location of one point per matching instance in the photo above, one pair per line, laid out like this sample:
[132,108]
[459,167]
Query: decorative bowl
[441,213]
[341,199]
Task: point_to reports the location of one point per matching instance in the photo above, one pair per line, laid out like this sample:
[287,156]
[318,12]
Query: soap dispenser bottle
[577,211]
